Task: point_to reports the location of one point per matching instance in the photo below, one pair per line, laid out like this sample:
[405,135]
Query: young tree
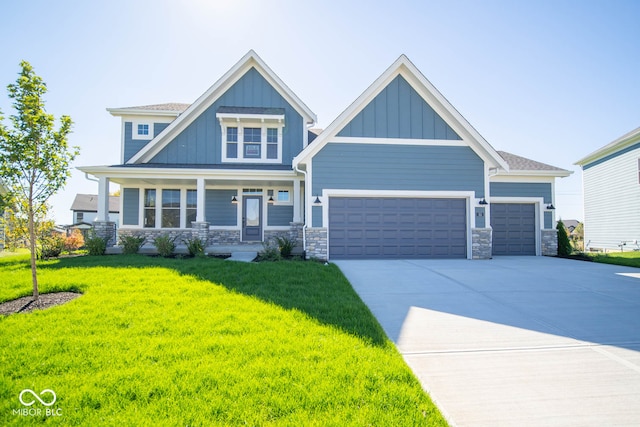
[34,157]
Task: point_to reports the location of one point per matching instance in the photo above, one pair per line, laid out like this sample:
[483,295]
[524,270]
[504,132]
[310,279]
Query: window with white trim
[170,209]
[142,130]
[192,207]
[149,208]
[251,135]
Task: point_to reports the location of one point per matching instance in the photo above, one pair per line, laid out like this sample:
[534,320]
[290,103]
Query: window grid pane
[170,208]
[272,135]
[232,134]
[252,135]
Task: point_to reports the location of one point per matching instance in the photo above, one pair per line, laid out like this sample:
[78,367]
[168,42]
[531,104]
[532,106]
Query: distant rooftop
[89,203]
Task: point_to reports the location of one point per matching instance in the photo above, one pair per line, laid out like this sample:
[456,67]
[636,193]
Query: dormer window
[251,135]
[142,130]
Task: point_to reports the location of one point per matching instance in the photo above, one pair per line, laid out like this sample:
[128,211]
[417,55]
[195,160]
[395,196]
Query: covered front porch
[222,207]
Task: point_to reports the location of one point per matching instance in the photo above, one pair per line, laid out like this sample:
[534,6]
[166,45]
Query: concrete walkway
[514,341]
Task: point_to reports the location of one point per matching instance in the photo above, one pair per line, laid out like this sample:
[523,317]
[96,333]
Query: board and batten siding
[397,167]
[130,206]
[219,210]
[132,146]
[525,189]
[200,142]
[399,112]
[612,201]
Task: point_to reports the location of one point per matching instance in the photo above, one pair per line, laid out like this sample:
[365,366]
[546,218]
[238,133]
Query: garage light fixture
[550,206]
[271,201]
[317,201]
[234,201]
[483,202]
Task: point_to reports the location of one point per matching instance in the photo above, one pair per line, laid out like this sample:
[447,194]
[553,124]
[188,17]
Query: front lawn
[201,342]
[629,259]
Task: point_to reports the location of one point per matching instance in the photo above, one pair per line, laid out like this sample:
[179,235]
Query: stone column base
[106,230]
[549,244]
[200,230]
[317,243]
[481,243]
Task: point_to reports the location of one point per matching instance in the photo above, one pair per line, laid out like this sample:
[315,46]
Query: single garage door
[514,228]
[385,228]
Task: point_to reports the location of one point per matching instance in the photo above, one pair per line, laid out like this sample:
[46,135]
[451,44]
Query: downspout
[86,175]
[304,226]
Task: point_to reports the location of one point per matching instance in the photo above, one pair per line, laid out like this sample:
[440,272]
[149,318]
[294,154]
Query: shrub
[51,247]
[564,246]
[131,244]
[165,245]
[95,245]
[270,252]
[74,241]
[286,245]
[195,246]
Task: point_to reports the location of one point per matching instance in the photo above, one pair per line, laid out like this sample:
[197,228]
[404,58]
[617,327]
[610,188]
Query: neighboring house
[570,225]
[399,174]
[85,209]
[611,183]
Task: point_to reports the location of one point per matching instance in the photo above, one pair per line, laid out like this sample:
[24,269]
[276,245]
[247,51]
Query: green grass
[629,259]
[202,342]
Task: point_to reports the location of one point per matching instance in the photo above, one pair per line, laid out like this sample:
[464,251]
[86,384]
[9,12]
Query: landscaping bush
[96,245]
[74,241]
[51,247]
[270,252]
[195,246]
[285,245]
[165,245]
[564,245]
[131,244]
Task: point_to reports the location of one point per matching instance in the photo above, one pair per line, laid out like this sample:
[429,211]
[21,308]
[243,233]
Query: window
[79,216]
[192,205]
[170,208]
[283,196]
[252,143]
[232,143]
[251,134]
[149,208]
[142,130]
[272,143]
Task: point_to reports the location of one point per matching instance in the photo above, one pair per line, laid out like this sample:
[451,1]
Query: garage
[400,228]
[514,228]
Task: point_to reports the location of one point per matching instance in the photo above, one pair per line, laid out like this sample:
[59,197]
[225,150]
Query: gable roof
[624,142]
[521,165]
[89,203]
[168,109]
[250,60]
[404,67]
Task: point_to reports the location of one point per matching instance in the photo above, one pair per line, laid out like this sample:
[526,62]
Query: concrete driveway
[514,341]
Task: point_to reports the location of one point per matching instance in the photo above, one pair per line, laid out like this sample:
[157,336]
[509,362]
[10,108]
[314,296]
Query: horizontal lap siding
[279,215]
[200,142]
[130,206]
[397,167]
[521,189]
[612,201]
[218,208]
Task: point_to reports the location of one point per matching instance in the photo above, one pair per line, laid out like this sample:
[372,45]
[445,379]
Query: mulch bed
[26,304]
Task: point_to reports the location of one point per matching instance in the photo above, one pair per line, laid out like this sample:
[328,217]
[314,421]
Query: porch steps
[242,256]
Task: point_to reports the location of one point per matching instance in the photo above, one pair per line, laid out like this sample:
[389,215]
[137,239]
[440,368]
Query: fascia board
[621,143]
[251,59]
[119,112]
[562,173]
[191,173]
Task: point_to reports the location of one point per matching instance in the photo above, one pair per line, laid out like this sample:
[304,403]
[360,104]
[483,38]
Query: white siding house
[611,183]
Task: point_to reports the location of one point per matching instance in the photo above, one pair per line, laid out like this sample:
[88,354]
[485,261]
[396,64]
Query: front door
[252,219]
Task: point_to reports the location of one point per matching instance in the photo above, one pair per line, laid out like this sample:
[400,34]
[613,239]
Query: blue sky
[548,80]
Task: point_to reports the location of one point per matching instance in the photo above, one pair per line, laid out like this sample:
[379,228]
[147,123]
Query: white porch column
[296,200]
[103,199]
[200,194]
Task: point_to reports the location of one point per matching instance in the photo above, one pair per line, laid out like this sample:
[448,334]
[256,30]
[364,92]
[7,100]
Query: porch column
[200,194]
[296,200]
[103,199]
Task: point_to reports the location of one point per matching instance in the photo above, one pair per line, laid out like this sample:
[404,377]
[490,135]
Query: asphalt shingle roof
[519,163]
[170,106]
[89,203]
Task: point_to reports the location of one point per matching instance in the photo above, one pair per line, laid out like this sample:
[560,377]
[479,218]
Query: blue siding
[316,213]
[398,167]
[132,146]
[218,207]
[480,218]
[398,112]
[279,215]
[200,142]
[159,127]
[548,220]
[521,189]
[130,206]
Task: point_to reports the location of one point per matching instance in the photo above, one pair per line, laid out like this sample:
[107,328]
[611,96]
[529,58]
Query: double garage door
[387,228]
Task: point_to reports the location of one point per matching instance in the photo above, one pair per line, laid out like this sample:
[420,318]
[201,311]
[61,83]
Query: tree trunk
[32,248]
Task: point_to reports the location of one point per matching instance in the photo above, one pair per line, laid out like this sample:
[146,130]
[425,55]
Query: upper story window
[142,130]
[251,135]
